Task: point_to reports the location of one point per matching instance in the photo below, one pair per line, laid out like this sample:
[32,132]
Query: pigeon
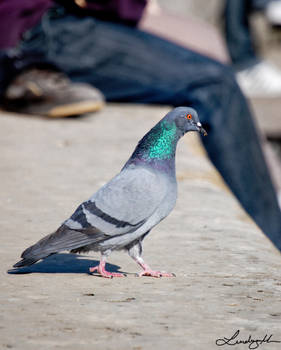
[123,211]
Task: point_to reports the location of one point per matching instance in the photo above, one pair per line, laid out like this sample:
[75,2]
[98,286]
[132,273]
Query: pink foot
[102,271]
[157,274]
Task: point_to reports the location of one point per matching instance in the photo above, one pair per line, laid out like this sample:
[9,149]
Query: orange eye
[189,116]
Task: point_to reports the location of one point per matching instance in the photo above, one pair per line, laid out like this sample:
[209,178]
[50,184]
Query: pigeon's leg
[101,268]
[135,253]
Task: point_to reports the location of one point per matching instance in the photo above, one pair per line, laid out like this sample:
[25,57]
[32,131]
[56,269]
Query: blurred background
[208,36]
[63,58]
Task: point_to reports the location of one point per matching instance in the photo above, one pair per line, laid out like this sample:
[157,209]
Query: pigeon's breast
[169,201]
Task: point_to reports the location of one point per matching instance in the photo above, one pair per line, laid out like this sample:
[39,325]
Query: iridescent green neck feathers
[160,143]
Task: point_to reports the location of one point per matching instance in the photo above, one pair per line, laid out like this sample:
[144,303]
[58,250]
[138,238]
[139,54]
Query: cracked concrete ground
[227,272]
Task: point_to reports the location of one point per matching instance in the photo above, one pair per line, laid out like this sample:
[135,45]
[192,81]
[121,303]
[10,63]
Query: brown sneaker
[50,93]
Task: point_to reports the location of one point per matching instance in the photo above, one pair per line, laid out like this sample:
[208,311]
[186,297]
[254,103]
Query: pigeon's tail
[63,239]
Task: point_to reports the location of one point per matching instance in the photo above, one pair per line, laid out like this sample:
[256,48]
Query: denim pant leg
[133,66]
[238,34]
[239,39]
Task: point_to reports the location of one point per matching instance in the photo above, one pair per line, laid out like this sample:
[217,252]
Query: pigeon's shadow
[63,263]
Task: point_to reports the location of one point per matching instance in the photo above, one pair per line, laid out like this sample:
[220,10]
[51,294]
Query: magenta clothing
[17,16]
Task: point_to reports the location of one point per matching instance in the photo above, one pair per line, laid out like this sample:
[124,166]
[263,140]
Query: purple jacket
[17,16]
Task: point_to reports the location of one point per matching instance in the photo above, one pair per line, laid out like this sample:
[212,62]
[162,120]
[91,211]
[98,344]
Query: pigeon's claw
[102,271]
[147,271]
[156,274]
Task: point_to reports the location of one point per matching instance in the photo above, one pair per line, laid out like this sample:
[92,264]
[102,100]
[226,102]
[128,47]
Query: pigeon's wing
[123,204]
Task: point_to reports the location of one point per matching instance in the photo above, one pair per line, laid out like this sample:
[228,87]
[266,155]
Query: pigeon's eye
[188,116]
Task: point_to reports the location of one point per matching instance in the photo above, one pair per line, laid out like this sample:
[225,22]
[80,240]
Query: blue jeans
[129,65]
[238,35]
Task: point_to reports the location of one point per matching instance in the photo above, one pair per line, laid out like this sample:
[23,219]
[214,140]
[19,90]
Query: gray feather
[124,203]
[63,239]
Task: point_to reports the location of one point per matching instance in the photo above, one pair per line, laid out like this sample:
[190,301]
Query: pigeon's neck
[158,147]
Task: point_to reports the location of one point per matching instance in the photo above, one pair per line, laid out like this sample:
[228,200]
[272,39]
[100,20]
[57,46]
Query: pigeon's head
[161,141]
[186,119]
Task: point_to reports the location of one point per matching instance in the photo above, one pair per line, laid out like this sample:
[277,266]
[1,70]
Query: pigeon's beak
[201,129]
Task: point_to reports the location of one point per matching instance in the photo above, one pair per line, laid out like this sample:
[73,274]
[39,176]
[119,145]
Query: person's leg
[29,83]
[132,66]
[256,77]
[237,31]
[15,18]
[13,62]
[238,34]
